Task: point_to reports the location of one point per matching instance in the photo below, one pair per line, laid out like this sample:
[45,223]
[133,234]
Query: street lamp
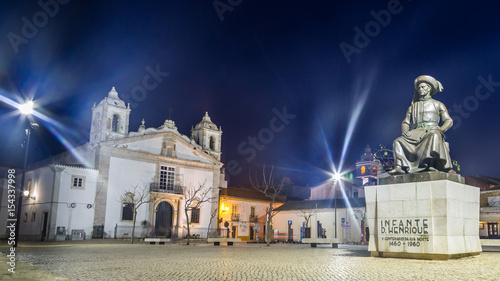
[26,109]
[336,179]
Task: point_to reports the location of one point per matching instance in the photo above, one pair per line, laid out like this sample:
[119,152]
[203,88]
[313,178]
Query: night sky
[328,64]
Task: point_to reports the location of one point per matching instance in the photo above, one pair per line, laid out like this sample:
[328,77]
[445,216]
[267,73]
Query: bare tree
[361,215]
[271,190]
[136,197]
[213,214]
[194,197]
[307,214]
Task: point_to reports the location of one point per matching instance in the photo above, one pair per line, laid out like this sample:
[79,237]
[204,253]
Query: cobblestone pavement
[202,261]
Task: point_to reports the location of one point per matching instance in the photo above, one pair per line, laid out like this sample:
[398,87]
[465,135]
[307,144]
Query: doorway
[492,230]
[163,220]
[45,218]
[234,229]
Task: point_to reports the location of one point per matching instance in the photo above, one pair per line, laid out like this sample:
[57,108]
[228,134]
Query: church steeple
[368,167]
[208,136]
[110,119]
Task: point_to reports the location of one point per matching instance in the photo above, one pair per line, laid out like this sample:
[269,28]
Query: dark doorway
[233,231]
[45,218]
[98,231]
[492,230]
[163,222]
[252,230]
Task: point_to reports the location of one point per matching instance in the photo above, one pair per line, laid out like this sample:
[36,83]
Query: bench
[490,242]
[153,241]
[314,241]
[217,241]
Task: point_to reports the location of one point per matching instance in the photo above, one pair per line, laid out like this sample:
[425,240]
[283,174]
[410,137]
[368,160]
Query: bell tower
[110,119]
[208,136]
[368,168]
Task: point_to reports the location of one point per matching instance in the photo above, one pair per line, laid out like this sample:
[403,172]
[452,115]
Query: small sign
[289,222]
[343,220]
[253,228]
[260,228]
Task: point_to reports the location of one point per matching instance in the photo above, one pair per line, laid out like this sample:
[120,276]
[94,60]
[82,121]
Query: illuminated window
[363,170]
[167,177]
[374,170]
[29,186]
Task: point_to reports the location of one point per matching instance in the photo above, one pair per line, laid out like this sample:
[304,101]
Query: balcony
[253,218]
[235,217]
[157,187]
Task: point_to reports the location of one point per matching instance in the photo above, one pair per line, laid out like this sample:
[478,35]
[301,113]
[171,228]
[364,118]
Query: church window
[77,182]
[212,143]
[167,177]
[234,213]
[374,170]
[114,124]
[170,151]
[29,186]
[195,215]
[127,211]
[363,170]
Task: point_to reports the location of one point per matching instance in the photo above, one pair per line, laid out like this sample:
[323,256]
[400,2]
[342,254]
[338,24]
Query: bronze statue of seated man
[422,146]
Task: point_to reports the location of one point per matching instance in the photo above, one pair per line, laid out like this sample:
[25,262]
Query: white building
[320,211]
[245,211]
[80,191]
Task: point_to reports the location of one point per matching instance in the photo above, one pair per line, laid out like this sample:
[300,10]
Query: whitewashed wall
[80,217]
[244,207]
[326,218]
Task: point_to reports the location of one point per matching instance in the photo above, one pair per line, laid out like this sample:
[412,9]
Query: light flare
[51,124]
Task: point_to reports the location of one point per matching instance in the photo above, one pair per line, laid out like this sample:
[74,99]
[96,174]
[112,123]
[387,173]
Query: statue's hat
[435,84]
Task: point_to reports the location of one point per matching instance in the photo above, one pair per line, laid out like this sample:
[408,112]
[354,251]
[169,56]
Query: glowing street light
[336,178]
[26,109]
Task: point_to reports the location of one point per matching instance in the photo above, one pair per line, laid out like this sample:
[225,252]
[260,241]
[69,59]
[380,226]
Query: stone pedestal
[437,219]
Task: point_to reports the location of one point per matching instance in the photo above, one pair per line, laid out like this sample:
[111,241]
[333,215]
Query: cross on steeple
[170,113]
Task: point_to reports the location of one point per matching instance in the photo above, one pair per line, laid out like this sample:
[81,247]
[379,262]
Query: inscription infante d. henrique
[405,226]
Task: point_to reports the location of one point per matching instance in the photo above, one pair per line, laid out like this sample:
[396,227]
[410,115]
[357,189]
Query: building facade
[83,189]
[245,212]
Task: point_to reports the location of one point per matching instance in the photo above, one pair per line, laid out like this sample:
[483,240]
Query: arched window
[114,124]
[212,143]
[363,170]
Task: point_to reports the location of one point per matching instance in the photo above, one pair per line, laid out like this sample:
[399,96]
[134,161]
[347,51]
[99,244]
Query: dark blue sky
[263,55]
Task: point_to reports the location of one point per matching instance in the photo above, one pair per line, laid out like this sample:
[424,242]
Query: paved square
[202,261]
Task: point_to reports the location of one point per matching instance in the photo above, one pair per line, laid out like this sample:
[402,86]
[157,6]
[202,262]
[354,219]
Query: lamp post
[26,109]
[336,179]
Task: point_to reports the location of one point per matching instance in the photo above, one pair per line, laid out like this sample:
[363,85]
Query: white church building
[78,194]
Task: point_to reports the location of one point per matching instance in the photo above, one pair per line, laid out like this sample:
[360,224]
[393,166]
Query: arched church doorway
[163,222]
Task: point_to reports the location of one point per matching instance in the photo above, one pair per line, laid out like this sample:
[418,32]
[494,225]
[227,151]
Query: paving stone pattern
[242,261]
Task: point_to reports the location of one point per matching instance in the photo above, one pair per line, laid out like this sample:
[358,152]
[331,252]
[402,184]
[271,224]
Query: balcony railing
[253,218]
[157,187]
[235,217]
